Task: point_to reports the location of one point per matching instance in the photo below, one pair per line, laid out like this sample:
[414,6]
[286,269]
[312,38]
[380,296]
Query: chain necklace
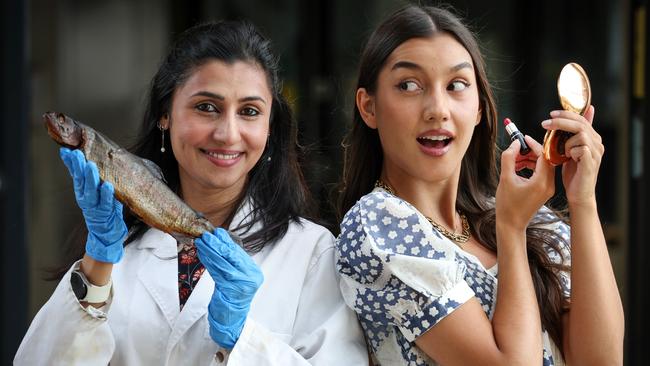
[461,238]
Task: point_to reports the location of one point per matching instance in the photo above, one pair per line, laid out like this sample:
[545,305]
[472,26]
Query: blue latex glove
[236,279]
[101,211]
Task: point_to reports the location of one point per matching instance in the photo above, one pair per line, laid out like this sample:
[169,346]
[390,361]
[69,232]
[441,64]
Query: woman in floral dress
[443,262]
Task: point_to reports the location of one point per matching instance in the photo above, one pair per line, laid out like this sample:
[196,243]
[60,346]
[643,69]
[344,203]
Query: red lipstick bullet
[514,133]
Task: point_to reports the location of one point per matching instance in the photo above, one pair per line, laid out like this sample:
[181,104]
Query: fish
[138,182]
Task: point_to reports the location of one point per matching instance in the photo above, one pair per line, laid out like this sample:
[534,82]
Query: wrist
[510,239]
[225,336]
[582,205]
[510,226]
[86,291]
[96,249]
[97,272]
[227,312]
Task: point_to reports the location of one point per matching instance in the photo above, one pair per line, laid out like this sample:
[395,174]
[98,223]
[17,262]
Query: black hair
[275,185]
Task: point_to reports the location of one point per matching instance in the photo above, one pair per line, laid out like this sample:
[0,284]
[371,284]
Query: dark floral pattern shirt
[190,270]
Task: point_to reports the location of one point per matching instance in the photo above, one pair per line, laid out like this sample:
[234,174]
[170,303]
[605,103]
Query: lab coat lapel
[197,304]
[159,273]
[195,308]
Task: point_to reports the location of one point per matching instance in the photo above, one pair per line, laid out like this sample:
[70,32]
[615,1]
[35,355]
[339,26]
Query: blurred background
[94,59]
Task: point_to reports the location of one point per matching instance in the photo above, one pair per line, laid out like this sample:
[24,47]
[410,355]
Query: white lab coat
[297,317]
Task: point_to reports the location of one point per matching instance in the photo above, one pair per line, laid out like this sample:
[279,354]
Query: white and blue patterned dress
[402,277]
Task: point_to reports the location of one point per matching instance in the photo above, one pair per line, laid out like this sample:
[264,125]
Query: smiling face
[219,125]
[425,108]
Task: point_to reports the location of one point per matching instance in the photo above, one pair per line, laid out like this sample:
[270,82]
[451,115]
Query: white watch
[86,291]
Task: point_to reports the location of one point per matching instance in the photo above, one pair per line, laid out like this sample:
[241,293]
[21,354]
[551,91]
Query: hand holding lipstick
[585,148]
[519,198]
[529,160]
[515,134]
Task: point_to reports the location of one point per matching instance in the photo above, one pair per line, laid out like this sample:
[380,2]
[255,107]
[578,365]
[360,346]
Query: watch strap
[94,294]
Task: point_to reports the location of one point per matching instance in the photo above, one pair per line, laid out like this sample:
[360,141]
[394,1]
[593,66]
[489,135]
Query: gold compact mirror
[573,89]
[575,95]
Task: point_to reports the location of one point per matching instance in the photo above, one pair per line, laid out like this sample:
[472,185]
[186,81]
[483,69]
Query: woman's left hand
[236,280]
[585,150]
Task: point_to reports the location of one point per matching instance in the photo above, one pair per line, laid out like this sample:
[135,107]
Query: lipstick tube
[514,133]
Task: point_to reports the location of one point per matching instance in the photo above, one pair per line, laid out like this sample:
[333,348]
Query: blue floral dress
[402,276]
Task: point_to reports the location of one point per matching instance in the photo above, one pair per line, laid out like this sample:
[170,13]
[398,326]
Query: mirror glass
[573,88]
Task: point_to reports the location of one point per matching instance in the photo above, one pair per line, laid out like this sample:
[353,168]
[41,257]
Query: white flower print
[397,209]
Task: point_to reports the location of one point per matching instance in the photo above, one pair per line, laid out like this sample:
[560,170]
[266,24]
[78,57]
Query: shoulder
[390,224]
[306,237]
[308,230]
[377,204]
[382,231]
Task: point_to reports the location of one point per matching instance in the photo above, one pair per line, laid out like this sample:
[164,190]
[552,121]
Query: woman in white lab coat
[223,135]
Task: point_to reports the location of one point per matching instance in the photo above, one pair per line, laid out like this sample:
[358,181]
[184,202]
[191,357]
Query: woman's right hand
[518,198]
[102,212]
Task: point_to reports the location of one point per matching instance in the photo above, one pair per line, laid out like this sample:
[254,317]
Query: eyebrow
[406,65]
[414,66]
[208,94]
[462,65]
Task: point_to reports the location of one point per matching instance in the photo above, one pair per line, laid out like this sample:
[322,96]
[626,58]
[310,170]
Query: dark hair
[363,155]
[275,186]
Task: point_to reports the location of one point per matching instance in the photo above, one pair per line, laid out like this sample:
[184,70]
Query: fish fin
[154,169]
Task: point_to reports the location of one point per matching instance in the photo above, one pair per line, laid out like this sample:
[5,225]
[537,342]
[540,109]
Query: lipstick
[514,133]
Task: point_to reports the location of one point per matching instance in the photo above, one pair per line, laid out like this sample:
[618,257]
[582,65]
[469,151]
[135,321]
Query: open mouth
[435,142]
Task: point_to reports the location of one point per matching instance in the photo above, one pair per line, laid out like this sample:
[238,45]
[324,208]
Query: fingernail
[547,122]
[555,113]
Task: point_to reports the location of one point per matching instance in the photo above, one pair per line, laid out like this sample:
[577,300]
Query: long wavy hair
[478,178]
[275,185]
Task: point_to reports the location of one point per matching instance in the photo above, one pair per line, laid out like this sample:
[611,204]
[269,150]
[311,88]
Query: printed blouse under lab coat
[297,317]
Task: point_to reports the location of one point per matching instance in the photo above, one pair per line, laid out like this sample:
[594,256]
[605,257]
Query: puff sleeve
[396,270]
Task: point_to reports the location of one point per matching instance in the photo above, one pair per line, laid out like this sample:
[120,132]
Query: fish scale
[138,182]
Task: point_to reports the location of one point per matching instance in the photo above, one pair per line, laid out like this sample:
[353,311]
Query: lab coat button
[219,356]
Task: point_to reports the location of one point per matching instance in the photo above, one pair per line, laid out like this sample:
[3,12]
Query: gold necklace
[461,238]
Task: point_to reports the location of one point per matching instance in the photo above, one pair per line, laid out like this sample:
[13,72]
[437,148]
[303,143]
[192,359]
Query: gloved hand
[101,211]
[236,279]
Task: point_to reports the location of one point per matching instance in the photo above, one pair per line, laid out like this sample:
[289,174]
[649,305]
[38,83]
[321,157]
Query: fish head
[63,129]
